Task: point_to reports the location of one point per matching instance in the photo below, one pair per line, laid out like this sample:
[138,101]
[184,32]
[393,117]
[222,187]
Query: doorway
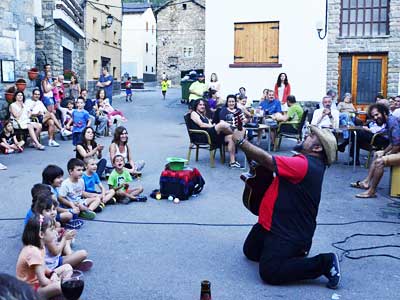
[364,76]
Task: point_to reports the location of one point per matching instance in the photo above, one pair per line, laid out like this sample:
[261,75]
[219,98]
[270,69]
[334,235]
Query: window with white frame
[188,52]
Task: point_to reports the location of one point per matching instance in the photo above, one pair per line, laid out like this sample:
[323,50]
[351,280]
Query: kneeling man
[281,239]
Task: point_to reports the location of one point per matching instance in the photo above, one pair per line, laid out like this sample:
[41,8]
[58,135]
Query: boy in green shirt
[119,180]
[294,114]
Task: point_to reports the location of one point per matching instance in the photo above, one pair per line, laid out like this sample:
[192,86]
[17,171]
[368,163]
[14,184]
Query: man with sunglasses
[282,237]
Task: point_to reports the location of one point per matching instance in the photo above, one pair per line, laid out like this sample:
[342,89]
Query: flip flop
[358,185]
[365,196]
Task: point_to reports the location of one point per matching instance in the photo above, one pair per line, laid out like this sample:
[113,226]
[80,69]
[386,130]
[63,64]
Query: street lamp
[109,22]
[319,25]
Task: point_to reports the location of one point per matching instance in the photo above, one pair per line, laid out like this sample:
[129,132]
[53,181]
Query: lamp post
[109,22]
[319,27]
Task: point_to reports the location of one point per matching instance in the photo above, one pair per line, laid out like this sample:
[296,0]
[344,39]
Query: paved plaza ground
[145,261]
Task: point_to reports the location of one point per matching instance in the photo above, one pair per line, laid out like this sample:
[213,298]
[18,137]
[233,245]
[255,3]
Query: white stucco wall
[134,38]
[301,52]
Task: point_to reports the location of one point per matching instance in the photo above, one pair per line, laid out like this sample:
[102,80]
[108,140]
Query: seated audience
[31,267]
[93,184]
[46,118]
[269,106]
[57,242]
[8,140]
[396,112]
[326,117]
[346,114]
[119,146]
[390,156]
[72,192]
[52,176]
[88,148]
[294,115]
[119,181]
[20,116]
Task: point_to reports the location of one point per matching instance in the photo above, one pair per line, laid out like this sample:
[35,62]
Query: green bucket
[176,163]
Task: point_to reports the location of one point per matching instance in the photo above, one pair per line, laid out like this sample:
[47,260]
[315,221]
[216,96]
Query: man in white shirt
[38,110]
[326,117]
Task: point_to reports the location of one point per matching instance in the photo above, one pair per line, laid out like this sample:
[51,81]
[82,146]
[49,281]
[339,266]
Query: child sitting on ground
[36,190]
[58,243]
[53,175]
[31,267]
[119,181]
[8,140]
[72,192]
[80,120]
[92,181]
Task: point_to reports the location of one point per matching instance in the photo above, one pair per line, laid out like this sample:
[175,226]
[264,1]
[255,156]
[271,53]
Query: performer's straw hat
[328,142]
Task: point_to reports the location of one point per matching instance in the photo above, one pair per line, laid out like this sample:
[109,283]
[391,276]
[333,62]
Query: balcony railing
[69,13]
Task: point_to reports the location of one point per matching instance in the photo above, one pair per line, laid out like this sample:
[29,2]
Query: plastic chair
[280,133]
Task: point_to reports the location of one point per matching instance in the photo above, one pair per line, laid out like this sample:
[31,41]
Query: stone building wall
[17,31]
[389,44]
[49,41]
[178,28]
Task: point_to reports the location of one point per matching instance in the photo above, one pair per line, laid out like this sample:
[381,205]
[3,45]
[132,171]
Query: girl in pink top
[31,266]
[282,90]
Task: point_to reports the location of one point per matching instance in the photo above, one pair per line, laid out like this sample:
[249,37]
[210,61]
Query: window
[67,59]
[114,72]
[96,69]
[115,40]
[184,6]
[152,69]
[147,47]
[188,52]
[147,26]
[146,68]
[256,44]
[364,18]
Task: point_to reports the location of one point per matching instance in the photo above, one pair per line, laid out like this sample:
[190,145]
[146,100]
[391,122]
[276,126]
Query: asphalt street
[162,261]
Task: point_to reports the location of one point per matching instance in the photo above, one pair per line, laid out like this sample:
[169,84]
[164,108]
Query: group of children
[54,215]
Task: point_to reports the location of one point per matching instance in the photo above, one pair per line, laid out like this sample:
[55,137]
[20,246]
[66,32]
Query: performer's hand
[238,135]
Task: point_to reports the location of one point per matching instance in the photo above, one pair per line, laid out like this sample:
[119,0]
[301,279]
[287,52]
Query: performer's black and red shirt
[289,207]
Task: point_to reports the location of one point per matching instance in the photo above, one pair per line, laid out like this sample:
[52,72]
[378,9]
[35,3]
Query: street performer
[281,239]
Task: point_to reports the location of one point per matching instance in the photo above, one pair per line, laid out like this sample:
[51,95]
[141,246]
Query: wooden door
[256,42]
[364,76]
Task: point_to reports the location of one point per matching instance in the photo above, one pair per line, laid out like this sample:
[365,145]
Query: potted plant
[20,84]
[33,73]
[9,94]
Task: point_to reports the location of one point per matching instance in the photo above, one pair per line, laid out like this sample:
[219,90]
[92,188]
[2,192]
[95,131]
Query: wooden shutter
[257,42]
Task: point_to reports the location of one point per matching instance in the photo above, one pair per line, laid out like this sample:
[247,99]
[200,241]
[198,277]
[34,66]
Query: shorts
[48,101]
[60,261]
[164,92]
[76,138]
[128,92]
[392,159]
[58,217]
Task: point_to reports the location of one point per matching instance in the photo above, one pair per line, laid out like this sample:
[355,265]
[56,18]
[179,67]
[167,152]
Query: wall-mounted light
[320,26]
[109,22]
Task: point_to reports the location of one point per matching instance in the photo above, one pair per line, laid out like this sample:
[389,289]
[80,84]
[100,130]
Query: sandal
[365,196]
[358,185]
[40,147]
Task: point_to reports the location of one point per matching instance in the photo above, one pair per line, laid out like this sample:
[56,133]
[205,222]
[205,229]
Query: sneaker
[334,273]
[235,165]
[98,209]
[85,265]
[53,143]
[65,132]
[87,214]
[140,198]
[102,205]
[8,151]
[74,224]
[112,201]
[3,167]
